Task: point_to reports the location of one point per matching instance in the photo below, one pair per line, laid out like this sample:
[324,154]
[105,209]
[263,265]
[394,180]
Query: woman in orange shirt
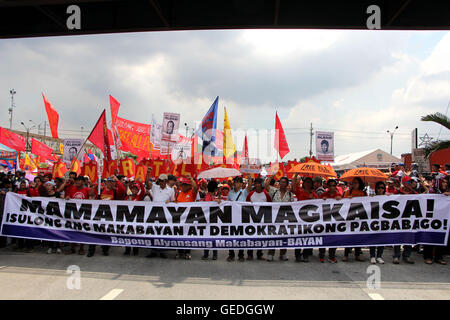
[356,190]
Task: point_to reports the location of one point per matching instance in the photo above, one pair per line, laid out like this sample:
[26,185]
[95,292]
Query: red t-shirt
[22,192]
[33,192]
[329,195]
[186,196]
[391,191]
[301,195]
[75,193]
[209,197]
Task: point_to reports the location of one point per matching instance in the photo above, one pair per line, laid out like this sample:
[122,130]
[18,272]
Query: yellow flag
[228,143]
[61,148]
[29,163]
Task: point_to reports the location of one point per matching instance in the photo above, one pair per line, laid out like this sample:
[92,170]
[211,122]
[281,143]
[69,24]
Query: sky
[355,83]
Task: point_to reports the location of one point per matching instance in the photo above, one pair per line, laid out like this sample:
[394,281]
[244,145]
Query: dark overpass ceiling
[34,18]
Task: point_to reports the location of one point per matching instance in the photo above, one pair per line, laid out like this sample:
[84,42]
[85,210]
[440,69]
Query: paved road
[39,275]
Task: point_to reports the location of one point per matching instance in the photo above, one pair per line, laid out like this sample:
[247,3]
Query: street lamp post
[392,136]
[27,148]
[12,92]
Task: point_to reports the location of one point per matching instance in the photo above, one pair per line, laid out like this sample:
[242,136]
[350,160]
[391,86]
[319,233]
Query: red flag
[114,108]
[12,140]
[280,139]
[99,136]
[245,149]
[53,117]
[40,149]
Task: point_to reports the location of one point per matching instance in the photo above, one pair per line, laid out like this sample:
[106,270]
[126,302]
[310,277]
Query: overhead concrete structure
[375,158]
[32,18]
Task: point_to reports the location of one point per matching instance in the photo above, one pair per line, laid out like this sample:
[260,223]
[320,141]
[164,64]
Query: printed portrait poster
[71,148]
[325,146]
[155,134]
[171,122]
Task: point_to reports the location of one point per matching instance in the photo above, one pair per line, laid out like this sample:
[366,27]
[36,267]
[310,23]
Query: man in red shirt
[331,193]
[188,193]
[78,190]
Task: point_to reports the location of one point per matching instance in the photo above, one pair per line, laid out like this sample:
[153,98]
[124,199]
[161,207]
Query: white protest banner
[71,149]
[155,134]
[356,222]
[171,122]
[325,146]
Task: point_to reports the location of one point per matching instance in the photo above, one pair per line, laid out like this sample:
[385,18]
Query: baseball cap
[185,181]
[163,177]
[50,182]
[110,179]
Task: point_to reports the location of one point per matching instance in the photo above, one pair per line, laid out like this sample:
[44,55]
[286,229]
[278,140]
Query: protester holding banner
[161,192]
[376,253]
[50,192]
[305,192]
[23,243]
[211,196]
[279,195]
[405,189]
[137,189]
[259,194]
[238,193]
[331,193]
[356,190]
[188,193]
[431,252]
[318,187]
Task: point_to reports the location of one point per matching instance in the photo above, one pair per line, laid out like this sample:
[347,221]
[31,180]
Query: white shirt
[162,195]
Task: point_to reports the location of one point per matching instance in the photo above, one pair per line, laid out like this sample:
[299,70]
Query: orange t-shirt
[186,196]
[355,193]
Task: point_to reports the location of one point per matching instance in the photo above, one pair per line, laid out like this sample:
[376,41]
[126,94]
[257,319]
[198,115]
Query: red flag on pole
[12,140]
[53,117]
[114,108]
[40,149]
[99,136]
[245,149]
[280,139]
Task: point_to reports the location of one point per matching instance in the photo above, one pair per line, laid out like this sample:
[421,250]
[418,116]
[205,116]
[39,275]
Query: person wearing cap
[187,193]
[161,193]
[113,190]
[405,189]
[49,190]
[137,190]
[238,193]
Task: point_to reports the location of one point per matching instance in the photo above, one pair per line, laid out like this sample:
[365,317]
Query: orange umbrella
[368,175]
[313,169]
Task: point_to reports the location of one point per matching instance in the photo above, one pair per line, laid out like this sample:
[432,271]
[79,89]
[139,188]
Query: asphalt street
[39,275]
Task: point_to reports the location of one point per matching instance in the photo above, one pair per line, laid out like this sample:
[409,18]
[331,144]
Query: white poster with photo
[325,146]
[155,134]
[71,149]
[171,122]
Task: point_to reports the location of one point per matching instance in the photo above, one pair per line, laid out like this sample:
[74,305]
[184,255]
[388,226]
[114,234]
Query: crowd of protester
[168,188]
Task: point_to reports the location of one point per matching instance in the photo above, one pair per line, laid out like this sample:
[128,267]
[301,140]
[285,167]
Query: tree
[444,121]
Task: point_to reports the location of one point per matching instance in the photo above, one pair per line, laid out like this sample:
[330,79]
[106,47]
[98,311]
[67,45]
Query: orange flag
[90,169]
[53,117]
[75,166]
[127,167]
[59,169]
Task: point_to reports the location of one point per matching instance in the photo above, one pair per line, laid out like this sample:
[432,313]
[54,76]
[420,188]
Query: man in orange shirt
[188,193]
